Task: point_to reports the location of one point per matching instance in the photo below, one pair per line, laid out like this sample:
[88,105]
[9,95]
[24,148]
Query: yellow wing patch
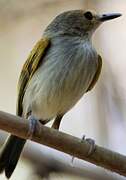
[29,68]
[95,79]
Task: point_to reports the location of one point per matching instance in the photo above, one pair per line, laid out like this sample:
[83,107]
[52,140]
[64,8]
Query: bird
[62,66]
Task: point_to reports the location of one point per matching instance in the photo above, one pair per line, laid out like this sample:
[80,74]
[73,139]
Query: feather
[97,74]
[29,68]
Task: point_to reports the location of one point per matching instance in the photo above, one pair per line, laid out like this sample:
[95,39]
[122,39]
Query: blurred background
[100,114]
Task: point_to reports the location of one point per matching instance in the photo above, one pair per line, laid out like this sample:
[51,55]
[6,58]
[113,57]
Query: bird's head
[78,22]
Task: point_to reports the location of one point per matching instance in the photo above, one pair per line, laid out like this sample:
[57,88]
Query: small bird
[60,69]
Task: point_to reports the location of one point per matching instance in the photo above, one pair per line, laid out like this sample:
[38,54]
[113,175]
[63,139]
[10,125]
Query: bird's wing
[96,74]
[29,68]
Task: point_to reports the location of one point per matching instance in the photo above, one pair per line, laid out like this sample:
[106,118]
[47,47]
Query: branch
[63,142]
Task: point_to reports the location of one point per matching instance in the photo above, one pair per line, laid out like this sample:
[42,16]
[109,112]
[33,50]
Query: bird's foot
[92,145]
[91,148]
[32,126]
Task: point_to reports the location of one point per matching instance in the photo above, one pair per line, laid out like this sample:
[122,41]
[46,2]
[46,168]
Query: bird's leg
[91,148]
[57,121]
[92,145]
[34,122]
[32,126]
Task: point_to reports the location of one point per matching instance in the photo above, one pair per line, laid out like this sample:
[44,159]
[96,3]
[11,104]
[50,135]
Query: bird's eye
[88,15]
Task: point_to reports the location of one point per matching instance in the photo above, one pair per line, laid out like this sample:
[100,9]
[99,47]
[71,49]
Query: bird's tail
[10,154]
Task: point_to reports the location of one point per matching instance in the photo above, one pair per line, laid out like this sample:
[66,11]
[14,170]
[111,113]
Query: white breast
[59,83]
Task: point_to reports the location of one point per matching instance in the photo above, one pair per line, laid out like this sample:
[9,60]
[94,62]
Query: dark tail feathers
[10,154]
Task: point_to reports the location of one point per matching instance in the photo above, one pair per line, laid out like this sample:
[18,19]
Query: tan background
[101,113]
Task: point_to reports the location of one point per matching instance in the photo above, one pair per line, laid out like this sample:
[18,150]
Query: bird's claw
[91,148]
[32,126]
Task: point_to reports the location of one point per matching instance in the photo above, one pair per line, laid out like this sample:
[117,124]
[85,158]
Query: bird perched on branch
[62,66]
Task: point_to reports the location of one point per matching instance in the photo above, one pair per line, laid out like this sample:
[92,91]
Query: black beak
[107,17]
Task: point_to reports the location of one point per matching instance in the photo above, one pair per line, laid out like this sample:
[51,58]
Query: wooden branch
[63,142]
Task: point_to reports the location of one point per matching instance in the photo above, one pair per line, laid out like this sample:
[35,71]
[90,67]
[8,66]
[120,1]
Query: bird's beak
[107,17]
